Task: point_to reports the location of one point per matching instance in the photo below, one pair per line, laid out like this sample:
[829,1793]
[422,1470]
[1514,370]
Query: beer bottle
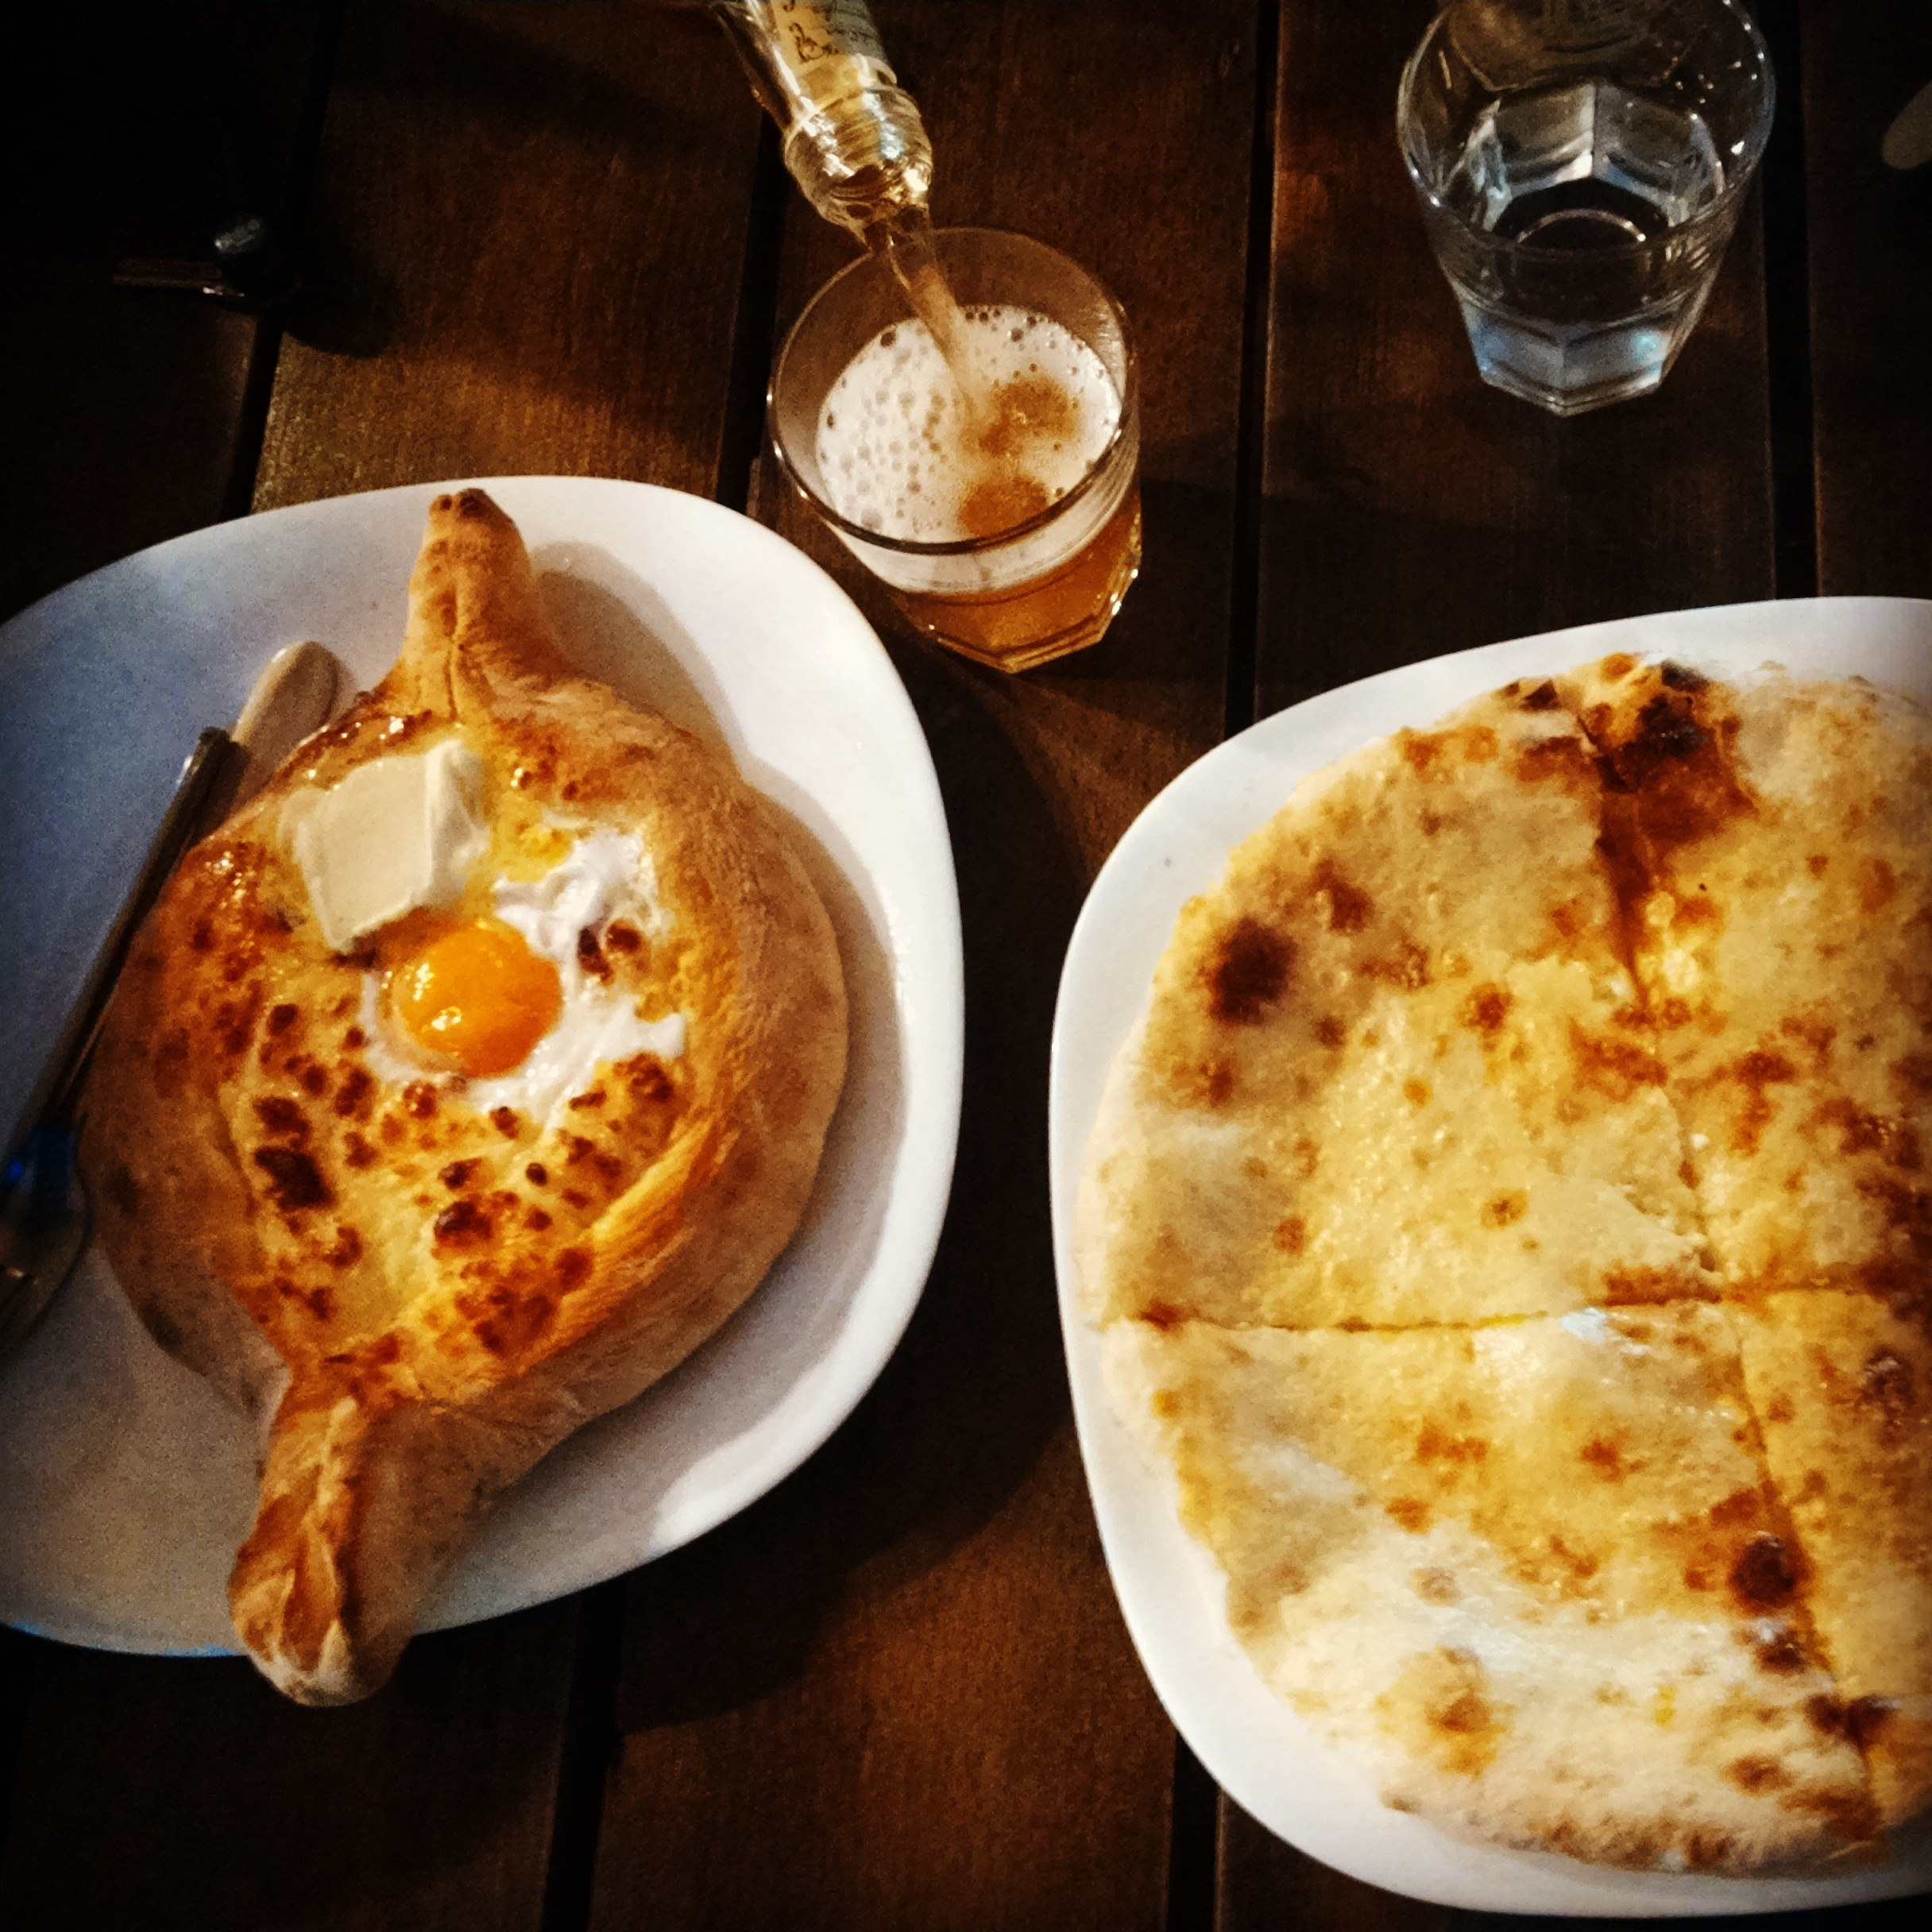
[854,141]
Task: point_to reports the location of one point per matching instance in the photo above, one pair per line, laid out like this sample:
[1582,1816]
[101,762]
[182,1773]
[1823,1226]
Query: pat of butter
[396,834]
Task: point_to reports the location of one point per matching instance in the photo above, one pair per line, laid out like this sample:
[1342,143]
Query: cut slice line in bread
[1770,834]
[1607,1663]
[1393,1067]
[1665,741]
[1771,837]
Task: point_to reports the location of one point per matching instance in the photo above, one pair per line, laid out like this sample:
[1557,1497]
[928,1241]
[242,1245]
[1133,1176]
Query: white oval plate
[1170,1591]
[126,1485]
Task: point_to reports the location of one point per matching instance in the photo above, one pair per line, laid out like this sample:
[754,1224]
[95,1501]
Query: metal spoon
[44,1213]
[43,1224]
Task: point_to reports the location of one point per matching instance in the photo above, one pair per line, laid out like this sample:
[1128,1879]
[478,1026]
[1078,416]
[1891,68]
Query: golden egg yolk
[477,995]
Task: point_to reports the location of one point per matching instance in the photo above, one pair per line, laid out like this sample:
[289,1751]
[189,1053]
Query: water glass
[1581,164]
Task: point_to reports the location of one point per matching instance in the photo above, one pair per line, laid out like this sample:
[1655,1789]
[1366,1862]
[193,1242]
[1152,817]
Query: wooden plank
[125,412]
[1411,510]
[1871,297]
[898,1692]
[157,1792]
[525,244]
[529,226]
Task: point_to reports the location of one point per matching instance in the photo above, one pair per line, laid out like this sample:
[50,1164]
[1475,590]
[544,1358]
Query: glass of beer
[996,493]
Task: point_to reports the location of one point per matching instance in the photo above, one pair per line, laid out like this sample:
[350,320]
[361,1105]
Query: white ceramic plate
[125,1486]
[1170,1591]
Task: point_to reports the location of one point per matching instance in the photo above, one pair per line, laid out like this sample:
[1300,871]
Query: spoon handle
[295,692]
[212,763]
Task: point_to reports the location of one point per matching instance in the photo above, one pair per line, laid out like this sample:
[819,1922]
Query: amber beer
[999,502]
[1046,616]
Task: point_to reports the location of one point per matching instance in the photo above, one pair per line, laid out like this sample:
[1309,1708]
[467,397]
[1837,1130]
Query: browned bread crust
[1509,1222]
[419,1299]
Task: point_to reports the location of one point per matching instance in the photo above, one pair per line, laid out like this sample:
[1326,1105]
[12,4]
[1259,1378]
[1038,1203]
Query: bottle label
[811,31]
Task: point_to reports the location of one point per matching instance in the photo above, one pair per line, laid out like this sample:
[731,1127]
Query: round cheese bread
[455,1090]
[1508,1224]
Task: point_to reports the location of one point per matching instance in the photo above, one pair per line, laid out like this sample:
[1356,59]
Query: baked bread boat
[1508,1226]
[455,1091]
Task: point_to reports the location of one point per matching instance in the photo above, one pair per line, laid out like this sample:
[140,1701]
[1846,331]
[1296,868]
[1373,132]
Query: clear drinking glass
[1008,528]
[1581,164]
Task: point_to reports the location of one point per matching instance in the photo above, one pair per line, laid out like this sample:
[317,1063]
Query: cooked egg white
[503,1010]
[605,877]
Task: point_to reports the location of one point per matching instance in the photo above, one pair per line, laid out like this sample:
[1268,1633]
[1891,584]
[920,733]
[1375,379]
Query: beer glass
[1003,514]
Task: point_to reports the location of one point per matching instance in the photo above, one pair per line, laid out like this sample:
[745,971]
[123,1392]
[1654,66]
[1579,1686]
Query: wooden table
[897,1692]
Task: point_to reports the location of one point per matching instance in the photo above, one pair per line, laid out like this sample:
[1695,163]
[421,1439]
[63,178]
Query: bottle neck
[854,140]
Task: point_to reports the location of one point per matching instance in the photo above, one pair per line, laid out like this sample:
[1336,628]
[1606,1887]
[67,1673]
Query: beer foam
[897,455]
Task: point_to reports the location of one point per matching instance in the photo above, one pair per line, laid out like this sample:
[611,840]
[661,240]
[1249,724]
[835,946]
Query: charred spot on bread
[295,1181]
[1723,973]
[462,1223]
[280,1115]
[1407,967]
[355,1097]
[1350,908]
[1767,1574]
[330,1175]
[1249,971]
[1485,1009]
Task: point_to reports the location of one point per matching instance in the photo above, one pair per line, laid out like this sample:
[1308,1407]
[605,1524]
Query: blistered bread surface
[418,1285]
[1507,1220]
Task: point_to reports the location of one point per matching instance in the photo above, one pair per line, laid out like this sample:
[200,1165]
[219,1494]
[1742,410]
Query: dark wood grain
[1410,510]
[528,224]
[129,415]
[1871,283]
[526,240]
[898,1693]
[157,1792]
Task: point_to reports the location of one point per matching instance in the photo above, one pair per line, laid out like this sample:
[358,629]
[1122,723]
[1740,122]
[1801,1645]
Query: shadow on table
[1040,774]
[963,1409]
[177,1792]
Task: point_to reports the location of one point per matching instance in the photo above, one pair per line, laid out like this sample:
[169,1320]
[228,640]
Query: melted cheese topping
[396,836]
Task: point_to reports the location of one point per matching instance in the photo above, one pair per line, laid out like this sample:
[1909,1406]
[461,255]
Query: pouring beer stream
[855,145]
[960,430]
